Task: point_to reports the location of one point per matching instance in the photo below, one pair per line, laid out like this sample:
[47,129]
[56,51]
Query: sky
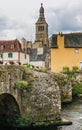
[18,17]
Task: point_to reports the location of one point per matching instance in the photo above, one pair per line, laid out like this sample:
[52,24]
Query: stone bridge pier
[42,102]
[10,99]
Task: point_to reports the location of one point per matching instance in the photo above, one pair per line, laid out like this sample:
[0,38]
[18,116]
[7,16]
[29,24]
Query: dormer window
[2,47]
[12,45]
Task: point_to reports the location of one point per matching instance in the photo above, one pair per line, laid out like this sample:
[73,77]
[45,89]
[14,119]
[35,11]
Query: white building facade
[10,51]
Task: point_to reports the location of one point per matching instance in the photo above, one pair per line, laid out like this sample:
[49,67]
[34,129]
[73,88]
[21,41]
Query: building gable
[71,40]
[10,46]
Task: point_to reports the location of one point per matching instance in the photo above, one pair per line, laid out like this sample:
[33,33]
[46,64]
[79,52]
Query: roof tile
[5,46]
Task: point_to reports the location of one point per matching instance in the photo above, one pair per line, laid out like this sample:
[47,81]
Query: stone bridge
[41,99]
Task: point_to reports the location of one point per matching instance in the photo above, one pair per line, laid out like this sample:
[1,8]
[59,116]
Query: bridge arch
[9,107]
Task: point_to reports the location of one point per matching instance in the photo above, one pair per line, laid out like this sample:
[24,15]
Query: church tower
[41,34]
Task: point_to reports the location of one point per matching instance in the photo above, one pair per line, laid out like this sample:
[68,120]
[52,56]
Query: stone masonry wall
[43,101]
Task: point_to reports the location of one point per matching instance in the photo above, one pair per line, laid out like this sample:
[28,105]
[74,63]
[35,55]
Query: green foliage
[43,123]
[75,69]
[30,80]
[47,123]
[22,121]
[65,69]
[64,95]
[77,89]
[44,70]
[14,121]
[25,85]
[21,84]
[26,73]
[28,65]
[27,79]
[40,123]
[60,80]
[69,73]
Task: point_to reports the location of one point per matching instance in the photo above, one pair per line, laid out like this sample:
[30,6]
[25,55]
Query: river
[73,112]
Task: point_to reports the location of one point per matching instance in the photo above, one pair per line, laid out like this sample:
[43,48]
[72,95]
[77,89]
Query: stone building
[39,55]
[41,34]
[39,50]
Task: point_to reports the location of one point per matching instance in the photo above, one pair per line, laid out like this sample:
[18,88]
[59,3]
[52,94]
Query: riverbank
[38,125]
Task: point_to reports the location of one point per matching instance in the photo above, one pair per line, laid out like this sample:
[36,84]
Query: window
[12,45]
[76,50]
[39,51]
[1,62]
[0,55]
[10,55]
[80,65]
[2,47]
[25,56]
[41,28]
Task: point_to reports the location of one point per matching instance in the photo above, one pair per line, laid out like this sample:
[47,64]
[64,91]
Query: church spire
[41,10]
[41,14]
[41,28]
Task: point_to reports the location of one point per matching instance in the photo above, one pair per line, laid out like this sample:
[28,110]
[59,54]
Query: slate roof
[35,57]
[10,46]
[71,40]
[54,41]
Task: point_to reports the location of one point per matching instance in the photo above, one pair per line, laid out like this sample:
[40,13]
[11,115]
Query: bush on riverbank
[77,89]
[69,72]
[72,75]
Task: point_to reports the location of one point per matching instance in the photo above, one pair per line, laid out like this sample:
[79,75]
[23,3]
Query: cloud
[3,23]
[12,28]
[18,17]
[65,18]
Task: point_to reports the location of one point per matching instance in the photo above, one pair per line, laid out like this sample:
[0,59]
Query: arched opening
[9,109]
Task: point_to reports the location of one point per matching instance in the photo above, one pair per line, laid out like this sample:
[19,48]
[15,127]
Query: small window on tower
[41,28]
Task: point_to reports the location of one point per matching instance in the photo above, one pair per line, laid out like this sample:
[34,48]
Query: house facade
[10,51]
[66,50]
[39,57]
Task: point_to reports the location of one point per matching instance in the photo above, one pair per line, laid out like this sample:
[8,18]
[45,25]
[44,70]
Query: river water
[73,112]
